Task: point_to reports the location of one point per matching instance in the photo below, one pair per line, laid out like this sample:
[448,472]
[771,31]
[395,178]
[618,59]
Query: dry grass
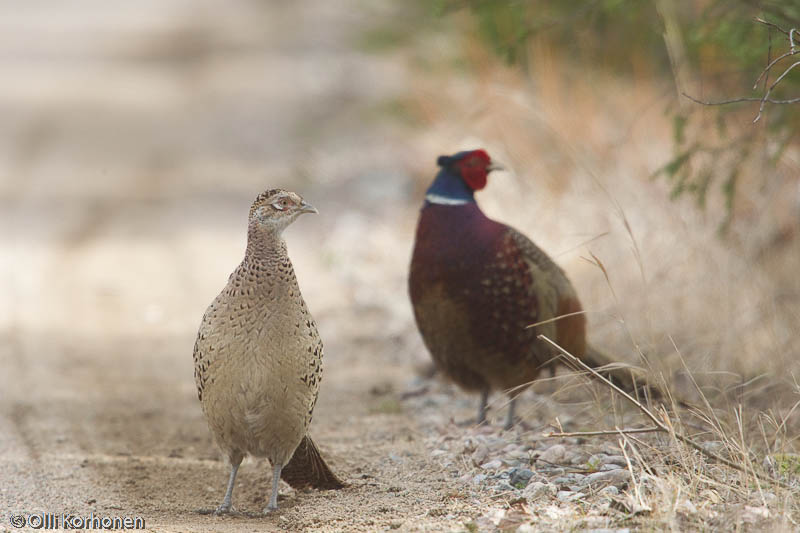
[712,317]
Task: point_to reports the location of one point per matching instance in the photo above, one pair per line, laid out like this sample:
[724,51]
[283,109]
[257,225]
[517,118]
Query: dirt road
[133,142]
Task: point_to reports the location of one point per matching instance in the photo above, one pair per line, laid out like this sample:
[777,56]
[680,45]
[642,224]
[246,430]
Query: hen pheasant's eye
[280,206]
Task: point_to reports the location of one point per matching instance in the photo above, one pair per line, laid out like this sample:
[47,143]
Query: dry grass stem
[661,425]
[616,431]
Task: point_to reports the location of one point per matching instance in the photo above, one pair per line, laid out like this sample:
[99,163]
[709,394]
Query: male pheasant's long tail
[628,378]
[307,468]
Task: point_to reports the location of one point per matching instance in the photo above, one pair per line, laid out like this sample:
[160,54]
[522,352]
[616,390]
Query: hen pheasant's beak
[306,207]
[494,165]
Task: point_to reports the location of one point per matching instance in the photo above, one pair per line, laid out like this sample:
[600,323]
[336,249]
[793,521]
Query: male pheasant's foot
[270,508]
[482,408]
[510,418]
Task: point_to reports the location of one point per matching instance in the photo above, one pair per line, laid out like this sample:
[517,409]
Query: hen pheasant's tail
[307,468]
[628,378]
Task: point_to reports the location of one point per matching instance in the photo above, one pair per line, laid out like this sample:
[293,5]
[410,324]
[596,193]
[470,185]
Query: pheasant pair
[476,286]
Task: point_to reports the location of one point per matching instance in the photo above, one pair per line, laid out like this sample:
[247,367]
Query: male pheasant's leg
[276,477]
[225,507]
[510,414]
[482,407]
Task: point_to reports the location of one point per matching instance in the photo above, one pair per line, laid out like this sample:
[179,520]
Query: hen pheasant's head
[473,166]
[275,209]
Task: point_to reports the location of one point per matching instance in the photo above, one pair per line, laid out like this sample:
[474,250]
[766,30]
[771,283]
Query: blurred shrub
[721,47]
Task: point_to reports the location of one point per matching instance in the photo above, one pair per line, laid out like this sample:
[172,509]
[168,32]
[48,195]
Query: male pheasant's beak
[306,207]
[494,165]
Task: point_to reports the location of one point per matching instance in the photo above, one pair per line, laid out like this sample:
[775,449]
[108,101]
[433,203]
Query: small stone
[480,478]
[616,460]
[492,465]
[576,457]
[714,446]
[612,477]
[597,461]
[609,466]
[437,453]
[610,490]
[570,479]
[480,454]
[525,528]
[753,515]
[537,490]
[555,454]
[504,487]
[519,477]
[568,495]
[686,506]
[519,455]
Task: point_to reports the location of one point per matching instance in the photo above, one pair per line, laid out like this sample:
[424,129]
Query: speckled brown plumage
[258,356]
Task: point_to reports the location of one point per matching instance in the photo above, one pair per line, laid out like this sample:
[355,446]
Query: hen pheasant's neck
[449,189]
[265,250]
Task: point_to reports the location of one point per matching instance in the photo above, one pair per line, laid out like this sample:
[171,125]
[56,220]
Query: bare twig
[739,100]
[625,431]
[772,25]
[772,64]
[658,423]
[765,99]
[774,84]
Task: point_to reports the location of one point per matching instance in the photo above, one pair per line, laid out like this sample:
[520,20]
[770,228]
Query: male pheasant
[476,285]
[258,358]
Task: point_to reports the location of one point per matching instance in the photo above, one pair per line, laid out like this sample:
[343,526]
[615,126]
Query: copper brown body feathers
[258,357]
[476,287]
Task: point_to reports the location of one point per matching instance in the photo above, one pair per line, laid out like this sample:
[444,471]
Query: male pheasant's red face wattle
[474,169]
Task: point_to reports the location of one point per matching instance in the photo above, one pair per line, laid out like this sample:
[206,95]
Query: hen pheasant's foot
[273,499]
[226,507]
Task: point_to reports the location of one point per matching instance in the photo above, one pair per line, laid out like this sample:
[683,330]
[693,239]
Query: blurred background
[135,136]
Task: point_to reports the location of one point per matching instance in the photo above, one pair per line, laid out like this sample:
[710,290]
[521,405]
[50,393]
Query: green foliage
[787,463]
[726,50]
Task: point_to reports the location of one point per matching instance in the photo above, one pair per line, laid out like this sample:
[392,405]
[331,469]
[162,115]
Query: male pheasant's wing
[561,316]
[307,468]
[570,321]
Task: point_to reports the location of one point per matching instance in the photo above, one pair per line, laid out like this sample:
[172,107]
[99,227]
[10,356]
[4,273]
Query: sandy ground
[132,143]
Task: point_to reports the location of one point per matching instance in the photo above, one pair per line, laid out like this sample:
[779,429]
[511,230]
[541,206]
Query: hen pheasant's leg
[510,414]
[482,407]
[225,507]
[276,477]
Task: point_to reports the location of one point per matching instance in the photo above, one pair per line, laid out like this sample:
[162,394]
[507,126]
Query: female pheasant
[476,285]
[258,358]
